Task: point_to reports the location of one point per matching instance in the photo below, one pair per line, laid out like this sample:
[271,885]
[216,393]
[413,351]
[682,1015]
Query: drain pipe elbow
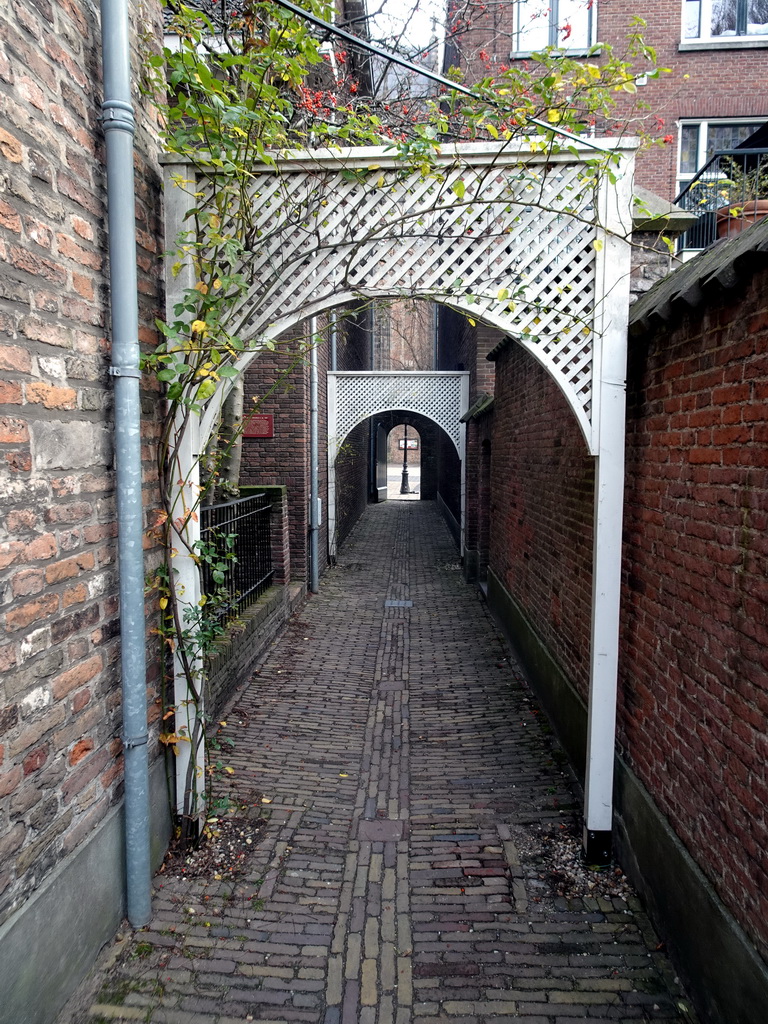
[118,123]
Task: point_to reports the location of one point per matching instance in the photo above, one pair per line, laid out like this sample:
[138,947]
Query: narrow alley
[408,870]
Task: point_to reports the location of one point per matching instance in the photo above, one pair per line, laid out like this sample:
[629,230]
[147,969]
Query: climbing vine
[234,93]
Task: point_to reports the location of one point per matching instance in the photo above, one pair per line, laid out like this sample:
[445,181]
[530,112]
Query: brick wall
[694,666]
[542,481]
[353,347]
[278,383]
[60,721]
[352,480]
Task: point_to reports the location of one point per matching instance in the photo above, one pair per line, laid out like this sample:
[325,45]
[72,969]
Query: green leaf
[459,188]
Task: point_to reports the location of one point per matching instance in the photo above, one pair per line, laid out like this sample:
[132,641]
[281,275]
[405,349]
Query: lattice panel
[510,241]
[437,396]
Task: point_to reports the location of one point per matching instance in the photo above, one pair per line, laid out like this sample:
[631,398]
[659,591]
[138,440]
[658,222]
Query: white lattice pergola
[353,397]
[516,236]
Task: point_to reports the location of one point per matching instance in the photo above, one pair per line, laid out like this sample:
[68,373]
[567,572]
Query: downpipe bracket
[131,742]
[125,371]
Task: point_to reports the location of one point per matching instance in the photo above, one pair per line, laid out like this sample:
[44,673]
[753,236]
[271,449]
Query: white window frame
[578,50]
[705,39]
[684,177]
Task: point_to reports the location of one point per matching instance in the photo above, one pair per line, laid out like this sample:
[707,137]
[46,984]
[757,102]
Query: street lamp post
[404,488]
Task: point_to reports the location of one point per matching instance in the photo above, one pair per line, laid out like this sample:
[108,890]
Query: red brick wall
[60,722]
[278,383]
[694,648]
[694,666]
[542,481]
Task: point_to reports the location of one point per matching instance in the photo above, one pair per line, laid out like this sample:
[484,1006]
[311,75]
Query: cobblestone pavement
[409,781]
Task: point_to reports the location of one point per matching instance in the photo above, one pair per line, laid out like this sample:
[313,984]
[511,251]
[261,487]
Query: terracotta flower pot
[729,223]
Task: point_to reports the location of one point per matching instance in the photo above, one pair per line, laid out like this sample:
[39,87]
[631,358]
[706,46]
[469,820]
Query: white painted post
[464,406]
[184,496]
[608,424]
[332,450]
[187,586]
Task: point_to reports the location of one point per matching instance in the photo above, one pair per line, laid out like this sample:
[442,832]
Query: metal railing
[728,194]
[239,528]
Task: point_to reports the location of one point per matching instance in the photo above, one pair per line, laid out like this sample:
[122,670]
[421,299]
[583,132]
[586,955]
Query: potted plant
[745,190]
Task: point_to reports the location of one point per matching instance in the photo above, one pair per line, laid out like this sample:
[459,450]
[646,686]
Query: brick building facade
[714,94]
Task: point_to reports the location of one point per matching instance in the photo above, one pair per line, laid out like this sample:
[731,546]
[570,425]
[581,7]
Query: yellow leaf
[459,188]
[229,771]
[381,180]
[502,293]
[492,131]
[472,322]
[343,775]
[163,603]
[199,326]
[597,244]
[202,288]
[553,116]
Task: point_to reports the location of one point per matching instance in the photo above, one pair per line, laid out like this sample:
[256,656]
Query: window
[725,21]
[700,140]
[568,24]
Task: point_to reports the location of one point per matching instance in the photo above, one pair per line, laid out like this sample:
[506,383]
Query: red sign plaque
[261,424]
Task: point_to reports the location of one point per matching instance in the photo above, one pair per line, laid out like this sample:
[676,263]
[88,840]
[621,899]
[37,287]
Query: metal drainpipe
[314,482]
[118,123]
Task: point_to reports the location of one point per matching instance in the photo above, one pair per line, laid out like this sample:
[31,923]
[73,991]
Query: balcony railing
[728,194]
[247,522]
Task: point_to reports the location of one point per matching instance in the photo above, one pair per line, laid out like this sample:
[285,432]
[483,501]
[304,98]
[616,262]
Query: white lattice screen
[507,236]
[441,397]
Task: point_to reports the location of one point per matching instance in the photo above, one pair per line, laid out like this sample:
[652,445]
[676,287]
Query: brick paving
[404,760]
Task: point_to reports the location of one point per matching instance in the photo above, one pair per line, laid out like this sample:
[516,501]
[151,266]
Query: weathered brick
[80,750]
[14,358]
[33,611]
[51,396]
[13,431]
[9,218]
[66,568]
[35,759]
[10,779]
[76,676]
[10,147]
[27,581]
[41,548]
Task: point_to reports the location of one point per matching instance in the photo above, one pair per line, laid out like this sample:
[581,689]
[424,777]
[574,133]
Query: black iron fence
[728,194]
[237,536]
